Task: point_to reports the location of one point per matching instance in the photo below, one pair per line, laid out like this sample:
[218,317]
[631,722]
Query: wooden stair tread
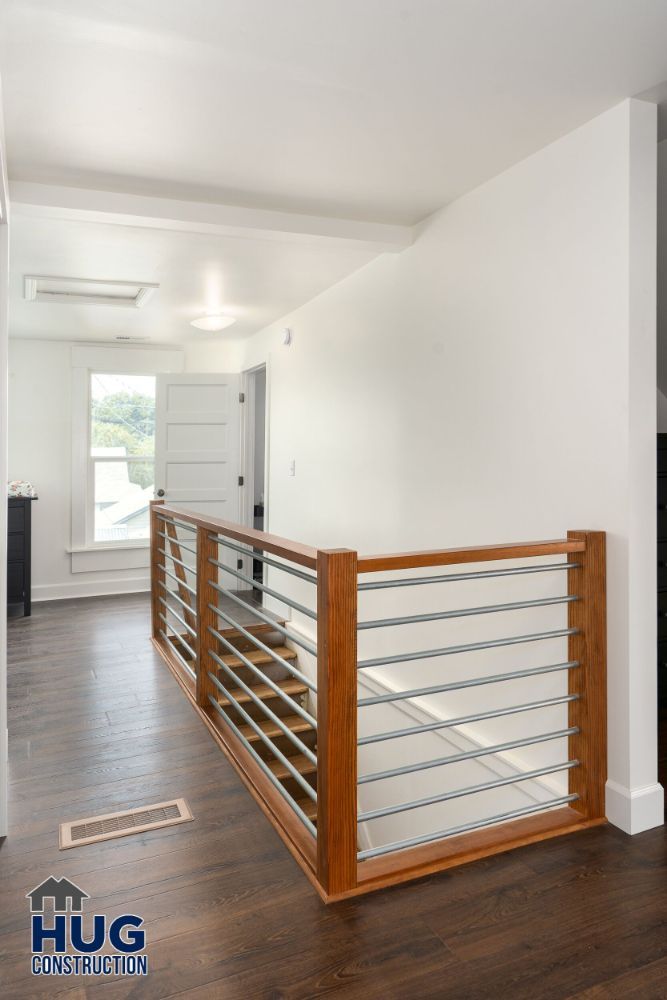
[292,722]
[264,692]
[257,629]
[299,761]
[308,807]
[258,657]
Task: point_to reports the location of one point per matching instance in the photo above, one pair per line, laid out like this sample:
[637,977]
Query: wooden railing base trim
[300,843]
[417,862]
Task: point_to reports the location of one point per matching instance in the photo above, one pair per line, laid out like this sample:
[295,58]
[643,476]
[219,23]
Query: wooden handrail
[479,553]
[295,552]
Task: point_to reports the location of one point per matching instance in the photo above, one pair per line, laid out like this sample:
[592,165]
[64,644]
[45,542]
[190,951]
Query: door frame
[247,461]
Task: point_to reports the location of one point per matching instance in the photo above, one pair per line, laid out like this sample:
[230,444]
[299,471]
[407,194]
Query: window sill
[110,546]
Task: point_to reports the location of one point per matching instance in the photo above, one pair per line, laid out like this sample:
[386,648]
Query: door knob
[160,493]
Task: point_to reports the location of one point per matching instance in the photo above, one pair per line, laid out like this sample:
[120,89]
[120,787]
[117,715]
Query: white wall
[495,382]
[4,297]
[41,412]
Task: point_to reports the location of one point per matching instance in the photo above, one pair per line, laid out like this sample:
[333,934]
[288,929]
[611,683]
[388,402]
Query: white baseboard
[90,588]
[634,810]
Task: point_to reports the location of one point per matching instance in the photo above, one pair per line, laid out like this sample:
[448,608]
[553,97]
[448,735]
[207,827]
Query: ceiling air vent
[132,340]
[87,291]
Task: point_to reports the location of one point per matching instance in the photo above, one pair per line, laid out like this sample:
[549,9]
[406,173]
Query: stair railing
[291,726]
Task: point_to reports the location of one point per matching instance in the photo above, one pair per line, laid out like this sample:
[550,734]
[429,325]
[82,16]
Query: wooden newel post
[589,648]
[337,720]
[207,549]
[157,573]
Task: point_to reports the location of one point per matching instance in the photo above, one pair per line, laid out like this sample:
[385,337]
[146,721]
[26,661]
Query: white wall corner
[634,810]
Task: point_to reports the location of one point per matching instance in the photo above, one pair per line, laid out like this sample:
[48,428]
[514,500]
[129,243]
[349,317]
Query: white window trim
[87,555]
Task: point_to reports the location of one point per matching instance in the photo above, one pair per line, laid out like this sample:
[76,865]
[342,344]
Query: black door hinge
[242,397]
[241,480]
[239,563]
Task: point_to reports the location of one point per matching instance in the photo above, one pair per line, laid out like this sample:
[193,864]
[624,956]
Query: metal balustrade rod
[278,754]
[294,705]
[415,581]
[426,838]
[192,611]
[473,682]
[256,554]
[495,713]
[470,790]
[467,755]
[425,654]
[191,568]
[264,767]
[180,638]
[178,617]
[266,590]
[308,646]
[181,583]
[466,612]
[184,662]
[178,542]
[265,649]
[178,524]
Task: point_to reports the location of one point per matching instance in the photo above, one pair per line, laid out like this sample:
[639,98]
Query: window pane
[122,415]
[122,494]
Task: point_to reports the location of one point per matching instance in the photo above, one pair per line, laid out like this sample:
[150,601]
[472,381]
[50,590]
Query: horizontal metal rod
[254,725]
[188,607]
[466,612]
[184,662]
[265,618]
[266,590]
[494,713]
[256,554]
[379,699]
[190,568]
[178,617]
[180,638]
[178,524]
[426,838]
[425,654]
[415,581]
[294,671]
[264,767]
[467,755]
[177,541]
[470,790]
[294,705]
[181,583]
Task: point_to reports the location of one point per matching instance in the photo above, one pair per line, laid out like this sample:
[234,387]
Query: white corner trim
[4,766]
[90,588]
[634,810]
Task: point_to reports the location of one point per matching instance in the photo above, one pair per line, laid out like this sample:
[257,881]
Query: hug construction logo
[64,944]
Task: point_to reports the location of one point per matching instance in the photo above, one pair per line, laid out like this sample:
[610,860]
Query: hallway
[102,725]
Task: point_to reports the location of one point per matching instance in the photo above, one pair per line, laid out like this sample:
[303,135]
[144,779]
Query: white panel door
[197,443]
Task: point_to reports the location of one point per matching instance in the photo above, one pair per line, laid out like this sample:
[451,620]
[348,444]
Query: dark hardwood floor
[97,723]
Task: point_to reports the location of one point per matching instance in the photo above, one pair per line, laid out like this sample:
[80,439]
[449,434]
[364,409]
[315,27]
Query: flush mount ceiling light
[87,291]
[213,322]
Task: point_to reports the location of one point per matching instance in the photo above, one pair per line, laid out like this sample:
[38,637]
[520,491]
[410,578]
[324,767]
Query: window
[121,456]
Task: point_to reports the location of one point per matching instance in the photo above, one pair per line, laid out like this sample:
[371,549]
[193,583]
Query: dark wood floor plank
[97,723]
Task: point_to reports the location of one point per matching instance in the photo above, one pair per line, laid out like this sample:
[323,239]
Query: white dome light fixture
[213,322]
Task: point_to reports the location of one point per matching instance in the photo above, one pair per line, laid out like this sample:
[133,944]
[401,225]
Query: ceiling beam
[116,208]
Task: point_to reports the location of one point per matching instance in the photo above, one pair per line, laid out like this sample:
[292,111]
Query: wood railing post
[207,549]
[589,648]
[157,573]
[337,720]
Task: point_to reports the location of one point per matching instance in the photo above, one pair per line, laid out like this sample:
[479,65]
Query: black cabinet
[18,555]
[662,567]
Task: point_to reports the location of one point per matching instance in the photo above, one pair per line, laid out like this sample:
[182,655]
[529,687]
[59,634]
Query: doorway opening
[254,447]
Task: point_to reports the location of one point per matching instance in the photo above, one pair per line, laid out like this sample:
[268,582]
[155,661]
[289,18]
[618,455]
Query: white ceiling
[370,109]
[256,280]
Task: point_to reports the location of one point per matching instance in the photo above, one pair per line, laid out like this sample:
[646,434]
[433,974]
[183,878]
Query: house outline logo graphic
[65,943]
[61,891]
